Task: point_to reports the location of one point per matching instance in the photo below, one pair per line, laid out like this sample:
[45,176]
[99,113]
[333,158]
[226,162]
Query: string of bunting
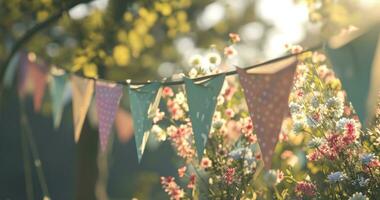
[266,86]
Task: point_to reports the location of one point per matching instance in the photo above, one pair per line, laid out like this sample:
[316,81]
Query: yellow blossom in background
[42,15]
[90,70]
[149,40]
[79,62]
[128,17]
[121,55]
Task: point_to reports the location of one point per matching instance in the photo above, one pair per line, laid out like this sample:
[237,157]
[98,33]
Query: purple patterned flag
[107,96]
[267,91]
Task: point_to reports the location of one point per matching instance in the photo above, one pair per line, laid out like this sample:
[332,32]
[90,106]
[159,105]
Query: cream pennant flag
[267,92]
[82,91]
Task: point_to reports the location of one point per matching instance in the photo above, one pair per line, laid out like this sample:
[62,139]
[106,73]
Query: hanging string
[179,82]
[33,147]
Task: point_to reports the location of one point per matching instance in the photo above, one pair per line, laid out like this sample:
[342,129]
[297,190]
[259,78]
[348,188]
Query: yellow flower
[90,70]
[42,15]
[121,55]
[128,17]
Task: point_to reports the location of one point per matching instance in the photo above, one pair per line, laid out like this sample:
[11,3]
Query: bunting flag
[144,103]
[83,90]
[355,57]
[39,76]
[124,125]
[58,87]
[11,70]
[267,92]
[32,77]
[202,98]
[107,96]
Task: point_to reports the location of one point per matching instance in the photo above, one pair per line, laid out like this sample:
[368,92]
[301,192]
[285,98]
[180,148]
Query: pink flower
[229,175]
[181,171]
[159,116]
[230,113]
[206,163]
[167,92]
[230,51]
[234,37]
[305,188]
[191,183]
[171,187]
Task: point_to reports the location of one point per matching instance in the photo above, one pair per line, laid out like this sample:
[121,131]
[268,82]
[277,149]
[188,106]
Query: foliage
[339,161]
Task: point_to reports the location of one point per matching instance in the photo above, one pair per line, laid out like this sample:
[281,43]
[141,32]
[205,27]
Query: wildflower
[191,183]
[193,73]
[196,61]
[298,126]
[229,175]
[294,107]
[304,188]
[366,159]
[213,59]
[273,177]
[234,37]
[181,171]
[158,132]
[336,177]
[171,187]
[167,92]
[230,113]
[345,124]
[230,51]
[361,181]
[158,116]
[358,196]
[336,105]
[316,142]
[206,163]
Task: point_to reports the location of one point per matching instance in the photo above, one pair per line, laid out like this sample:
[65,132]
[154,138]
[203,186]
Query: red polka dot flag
[107,96]
[267,94]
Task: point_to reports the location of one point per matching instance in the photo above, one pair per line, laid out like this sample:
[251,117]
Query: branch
[35,29]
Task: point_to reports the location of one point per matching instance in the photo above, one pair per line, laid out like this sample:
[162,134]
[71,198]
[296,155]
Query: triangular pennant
[356,63]
[144,100]
[39,76]
[267,98]
[124,125]
[58,86]
[82,94]
[11,70]
[107,96]
[202,98]
[32,77]
[22,75]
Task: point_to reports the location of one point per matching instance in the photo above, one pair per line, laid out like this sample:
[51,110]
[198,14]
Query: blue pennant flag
[144,101]
[202,98]
[356,63]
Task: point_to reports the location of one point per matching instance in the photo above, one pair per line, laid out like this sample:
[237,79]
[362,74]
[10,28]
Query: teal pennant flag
[201,98]
[144,101]
[356,62]
[58,88]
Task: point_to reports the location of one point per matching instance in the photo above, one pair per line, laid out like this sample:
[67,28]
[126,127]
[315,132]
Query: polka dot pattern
[107,101]
[267,99]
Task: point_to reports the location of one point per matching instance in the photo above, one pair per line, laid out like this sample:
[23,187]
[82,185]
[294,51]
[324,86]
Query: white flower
[358,196]
[196,61]
[335,177]
[158,132]
[193,73]
[179,98]
[316,142]
[213,59]
[343,123]
[336,105]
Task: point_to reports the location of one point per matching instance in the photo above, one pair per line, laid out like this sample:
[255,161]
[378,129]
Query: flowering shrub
[341,161]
